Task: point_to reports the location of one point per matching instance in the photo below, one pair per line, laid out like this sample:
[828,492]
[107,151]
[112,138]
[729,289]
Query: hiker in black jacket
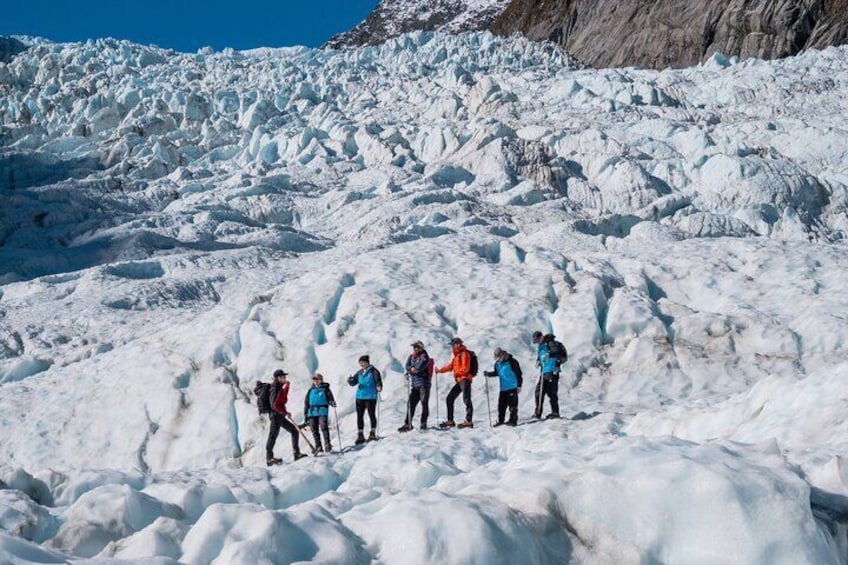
[419,372]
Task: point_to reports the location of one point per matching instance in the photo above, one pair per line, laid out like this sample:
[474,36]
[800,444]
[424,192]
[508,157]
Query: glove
[333,404]
[490,373]
[518,389]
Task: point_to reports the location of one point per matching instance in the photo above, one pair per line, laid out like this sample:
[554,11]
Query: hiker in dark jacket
[280,418]
[418,373]
[316,411]
[550,355]
[369,383]
[509,374]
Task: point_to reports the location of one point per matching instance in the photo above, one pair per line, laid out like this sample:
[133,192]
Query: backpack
[557,350]
[475,366]
[263,397]
[431,367]
[516,368]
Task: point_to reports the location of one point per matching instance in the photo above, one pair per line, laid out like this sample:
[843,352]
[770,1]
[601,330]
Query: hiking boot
[512,423]
[552,416]
[372,436]
[447,424]
[318,450]
[465,425]
[405,428]
[423,426]
[271,461]
[360,439]
[499,423]
[299,456]
[537,415]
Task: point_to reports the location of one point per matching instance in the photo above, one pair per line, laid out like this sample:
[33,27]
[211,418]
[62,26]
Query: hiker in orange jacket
[461,367]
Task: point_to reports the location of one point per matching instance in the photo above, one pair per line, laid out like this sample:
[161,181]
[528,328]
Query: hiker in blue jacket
[316,410]
[370,384]
[509,374]
[419,372]
[550,355]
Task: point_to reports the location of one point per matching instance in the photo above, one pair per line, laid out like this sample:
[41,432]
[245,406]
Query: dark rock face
[395,17]
[9,47]
[677,33]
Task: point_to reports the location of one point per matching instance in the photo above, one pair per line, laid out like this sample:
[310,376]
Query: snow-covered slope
[175,227]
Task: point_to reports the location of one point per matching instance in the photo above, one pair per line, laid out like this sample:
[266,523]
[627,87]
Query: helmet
[456,341]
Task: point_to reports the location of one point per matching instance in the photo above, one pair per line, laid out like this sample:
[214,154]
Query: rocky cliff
[677,33]
[615,33]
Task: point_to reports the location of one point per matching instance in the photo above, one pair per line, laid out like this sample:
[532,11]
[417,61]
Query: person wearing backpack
[316,410]
[419,372]
[550,354]
[369,384]
[464,367]
[279,394]
[509,373]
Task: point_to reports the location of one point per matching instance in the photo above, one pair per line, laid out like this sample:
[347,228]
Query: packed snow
[175,227]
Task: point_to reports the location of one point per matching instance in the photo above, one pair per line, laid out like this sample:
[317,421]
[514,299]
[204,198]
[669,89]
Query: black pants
[548,386]
[463,386]
[416,395]
[319,427]
[278,421]
[361,406]
[508,399]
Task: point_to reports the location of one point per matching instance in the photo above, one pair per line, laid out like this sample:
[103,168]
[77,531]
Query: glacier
[176,226]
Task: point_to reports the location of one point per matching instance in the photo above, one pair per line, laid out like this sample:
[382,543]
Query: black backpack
[557,350]
[263,397]
[475,366]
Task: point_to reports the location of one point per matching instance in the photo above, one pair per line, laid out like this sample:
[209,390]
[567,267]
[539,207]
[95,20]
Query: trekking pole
[488,402]
[303,435]
[338,429]
[379,401]
[539,397]
[436,378]
[408,401]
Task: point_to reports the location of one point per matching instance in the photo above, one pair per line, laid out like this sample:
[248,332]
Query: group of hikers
[419,370]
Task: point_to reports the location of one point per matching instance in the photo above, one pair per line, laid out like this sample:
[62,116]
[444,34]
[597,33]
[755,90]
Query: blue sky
[187,25]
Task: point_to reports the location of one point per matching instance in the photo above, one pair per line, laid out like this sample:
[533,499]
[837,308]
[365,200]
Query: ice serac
[677,33]
[395,17]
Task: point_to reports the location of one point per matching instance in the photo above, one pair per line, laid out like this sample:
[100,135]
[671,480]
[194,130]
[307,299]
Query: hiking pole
[539,397]
[338,429]
[303,435]
[488,402]
[408,401]
[436,378]
[379,401]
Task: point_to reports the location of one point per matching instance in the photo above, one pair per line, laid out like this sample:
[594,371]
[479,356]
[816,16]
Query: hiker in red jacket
[462,374]
[280,417]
